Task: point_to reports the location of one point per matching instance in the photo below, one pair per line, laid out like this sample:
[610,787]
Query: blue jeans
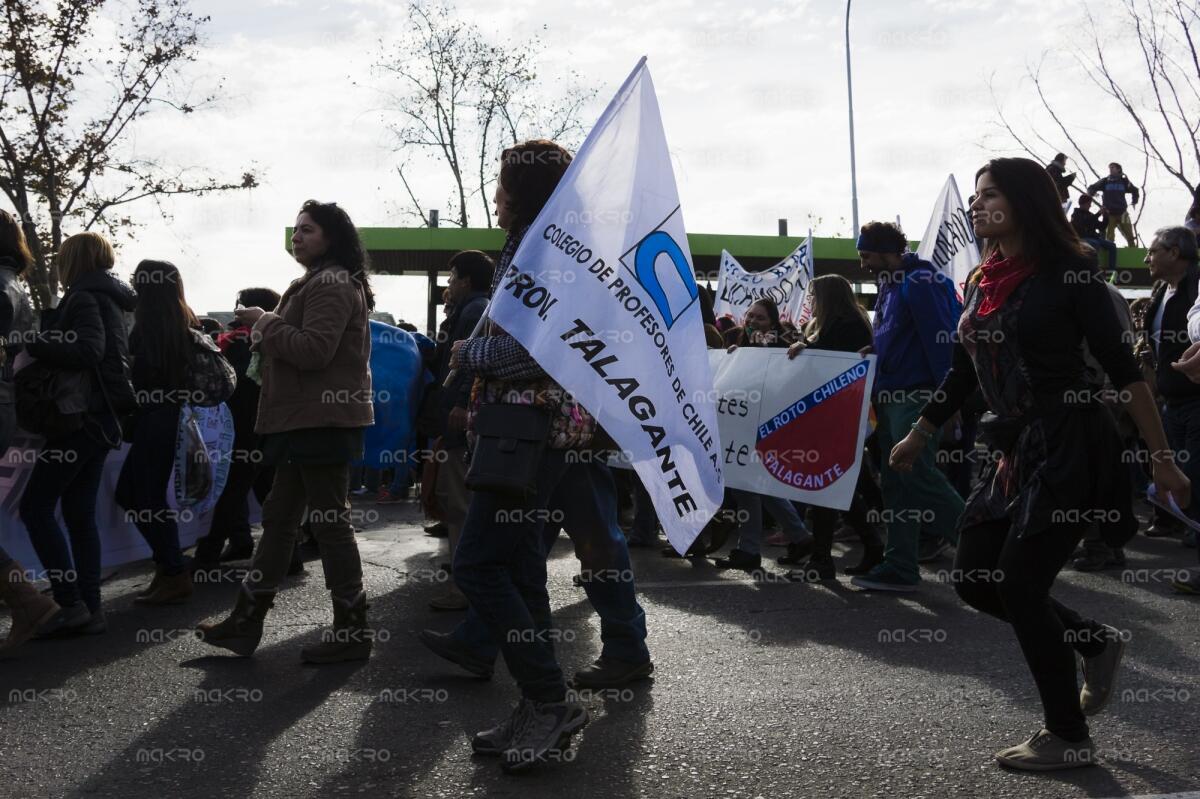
[750,507]
[584,503]
[69,470]
[1181,421]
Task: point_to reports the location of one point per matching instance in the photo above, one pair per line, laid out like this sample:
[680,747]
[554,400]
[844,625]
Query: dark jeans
[5,558]
[867,498]
[1109,247]
[1010,578]
[589,518]
[231,516]
[1181,421]
[645,518]
[500,565]
[144,482]
[68,469]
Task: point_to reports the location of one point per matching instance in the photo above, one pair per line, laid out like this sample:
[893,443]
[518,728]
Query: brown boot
[153,586]
[29,608]
[241,631]
[174,589]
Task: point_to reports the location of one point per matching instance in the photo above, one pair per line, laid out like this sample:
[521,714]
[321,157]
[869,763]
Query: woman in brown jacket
[314,407]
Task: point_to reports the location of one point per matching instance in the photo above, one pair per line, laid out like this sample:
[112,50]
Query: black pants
[1010,579]
[231,516]
[867,498]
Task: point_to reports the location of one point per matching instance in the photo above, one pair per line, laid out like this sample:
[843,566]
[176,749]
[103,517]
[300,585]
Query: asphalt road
[761,689]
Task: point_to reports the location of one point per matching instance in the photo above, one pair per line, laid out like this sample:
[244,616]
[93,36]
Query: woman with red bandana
[1037,296]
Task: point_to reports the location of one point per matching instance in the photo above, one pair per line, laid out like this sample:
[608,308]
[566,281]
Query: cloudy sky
[753,98]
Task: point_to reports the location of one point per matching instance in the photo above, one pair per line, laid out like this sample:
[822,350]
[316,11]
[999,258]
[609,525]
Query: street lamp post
[850,96]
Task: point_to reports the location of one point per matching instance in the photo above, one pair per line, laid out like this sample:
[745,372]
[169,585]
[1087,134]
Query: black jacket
[1087,225]
[459,326]
[87,331]
[1173,385]
[844,335]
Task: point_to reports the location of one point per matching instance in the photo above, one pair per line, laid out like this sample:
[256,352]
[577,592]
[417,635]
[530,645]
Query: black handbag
[51,401]
[510,440]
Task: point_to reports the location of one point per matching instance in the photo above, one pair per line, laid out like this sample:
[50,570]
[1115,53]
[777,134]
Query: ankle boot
[172,589]
[153,586]
[350,638]
[796,553]
[871,557]
[29,608]
[243,629]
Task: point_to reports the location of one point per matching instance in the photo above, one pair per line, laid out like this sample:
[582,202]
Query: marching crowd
[1063,407]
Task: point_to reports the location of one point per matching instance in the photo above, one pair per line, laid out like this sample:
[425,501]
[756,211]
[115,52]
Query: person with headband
[916,313]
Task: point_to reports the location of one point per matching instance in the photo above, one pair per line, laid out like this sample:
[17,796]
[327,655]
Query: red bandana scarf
[999,278]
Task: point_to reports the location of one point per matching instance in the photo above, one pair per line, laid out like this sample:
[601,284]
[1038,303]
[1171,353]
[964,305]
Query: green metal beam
[453,239]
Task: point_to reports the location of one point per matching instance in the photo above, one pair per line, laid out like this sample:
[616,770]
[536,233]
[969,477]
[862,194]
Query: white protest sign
[624,334]
[949,242]
[786,284]
[793,428]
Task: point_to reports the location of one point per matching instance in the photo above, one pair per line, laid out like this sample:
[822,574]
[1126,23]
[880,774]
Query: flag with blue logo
[602,293]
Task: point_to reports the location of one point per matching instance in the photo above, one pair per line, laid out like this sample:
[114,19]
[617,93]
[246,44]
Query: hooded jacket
[916,317]
[87,331]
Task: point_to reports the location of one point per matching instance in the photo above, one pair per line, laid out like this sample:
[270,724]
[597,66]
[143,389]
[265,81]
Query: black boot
[871,557]
[814,571]
[737,559]
[796,553]
[350,638]
[243,629]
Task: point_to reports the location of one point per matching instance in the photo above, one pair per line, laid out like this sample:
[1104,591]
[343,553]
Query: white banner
[624,333]
[949,241]
[793,429]
[120,541]
[786,284]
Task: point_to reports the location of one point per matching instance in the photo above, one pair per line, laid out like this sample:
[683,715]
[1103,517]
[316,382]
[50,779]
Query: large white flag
[949,241]
[786,283]
[602,293]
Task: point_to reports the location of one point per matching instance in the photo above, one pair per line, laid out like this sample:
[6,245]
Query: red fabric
[999,278]
[236,334]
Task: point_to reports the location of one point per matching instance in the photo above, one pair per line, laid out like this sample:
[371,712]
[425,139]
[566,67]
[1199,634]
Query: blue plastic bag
[398,379]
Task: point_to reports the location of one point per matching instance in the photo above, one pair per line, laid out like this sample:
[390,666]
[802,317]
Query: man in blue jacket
[1112,198]
[916,317]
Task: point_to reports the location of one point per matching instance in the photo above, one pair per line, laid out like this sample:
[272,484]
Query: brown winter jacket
[315,350]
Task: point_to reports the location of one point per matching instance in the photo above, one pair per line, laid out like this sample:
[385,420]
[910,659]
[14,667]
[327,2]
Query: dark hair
[772,310]
[407,326]
[345,247]
[1194,211]
[163,320]
[1120,168]
[258,297]
[210,325]
[529,173]
[833,300]
[1046,237]
[475,266]
[1060,156]
[707,315]
[889,234]
[12,242]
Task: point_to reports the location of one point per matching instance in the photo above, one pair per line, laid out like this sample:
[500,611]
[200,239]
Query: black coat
[847,334]
[87,331]
[459,326]
[1173,385]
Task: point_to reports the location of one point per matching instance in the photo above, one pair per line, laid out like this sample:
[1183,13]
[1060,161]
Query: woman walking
[839,324]
[164,334]
[1036,298]
[29,607]
[762,328]
[314,405]
[85,333]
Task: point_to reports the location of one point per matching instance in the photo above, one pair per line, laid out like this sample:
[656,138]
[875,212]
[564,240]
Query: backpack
[211,378]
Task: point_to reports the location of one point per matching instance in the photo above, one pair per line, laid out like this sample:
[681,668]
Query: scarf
[999,277]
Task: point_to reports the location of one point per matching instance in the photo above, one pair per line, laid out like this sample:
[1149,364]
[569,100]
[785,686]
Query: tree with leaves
[1156,99]
[73,86]
[456,97]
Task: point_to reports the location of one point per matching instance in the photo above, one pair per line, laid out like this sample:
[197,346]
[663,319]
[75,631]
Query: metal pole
[782,227]
[850,96]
